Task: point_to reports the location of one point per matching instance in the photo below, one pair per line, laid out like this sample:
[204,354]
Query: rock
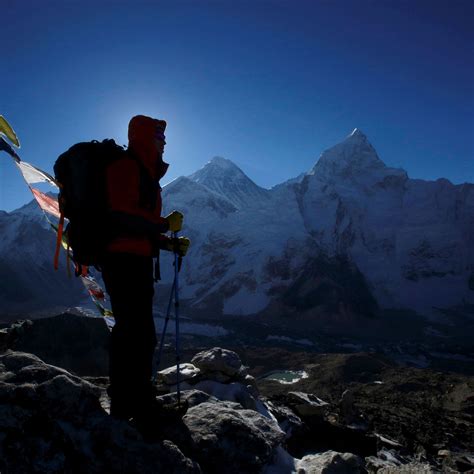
[347,410]
[410,468]
[458,462]
[383,459]
[191,397]
[232,392]
[388,460]
[288,421]
[187,372]
[218,360]
[4,340]
[15,361]
[121,449]
[374,464]
[76,343]
[250,380]
[230,441]
[21,368]
[192,375]
[66,398]
[281,463]
[330,462]
[51,422]
[307,404]
[384,441]
[217,376]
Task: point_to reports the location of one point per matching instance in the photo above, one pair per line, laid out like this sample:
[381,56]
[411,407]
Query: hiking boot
[126,400]
[121,404]
[152,419]
[120,409]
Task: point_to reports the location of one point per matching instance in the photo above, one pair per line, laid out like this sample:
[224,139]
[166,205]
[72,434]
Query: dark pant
[129,283]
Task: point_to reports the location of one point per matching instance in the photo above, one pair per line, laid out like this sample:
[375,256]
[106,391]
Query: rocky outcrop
[218,360]
[52,422]
[76,343]
[241,440]
[218,372]
[305,404]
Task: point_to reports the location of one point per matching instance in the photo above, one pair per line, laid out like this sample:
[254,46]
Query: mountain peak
[354,159]
[354,155]
[359,134]
[215,168]
[222,162]
[224,177]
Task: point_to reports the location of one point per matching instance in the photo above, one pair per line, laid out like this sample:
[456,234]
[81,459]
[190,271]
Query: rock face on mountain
[350,236]
[412,239]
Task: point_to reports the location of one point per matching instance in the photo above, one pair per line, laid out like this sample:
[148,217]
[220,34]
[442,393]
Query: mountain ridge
[411,240]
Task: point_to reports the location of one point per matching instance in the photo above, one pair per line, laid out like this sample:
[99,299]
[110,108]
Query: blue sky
[267,84]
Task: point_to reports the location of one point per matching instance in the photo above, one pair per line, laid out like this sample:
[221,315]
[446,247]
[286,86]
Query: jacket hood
[142,133]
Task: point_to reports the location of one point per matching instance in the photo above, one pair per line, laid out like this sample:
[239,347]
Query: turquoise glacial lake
[286,376]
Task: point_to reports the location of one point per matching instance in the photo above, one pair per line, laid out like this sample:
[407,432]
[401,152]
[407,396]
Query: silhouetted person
[135,222]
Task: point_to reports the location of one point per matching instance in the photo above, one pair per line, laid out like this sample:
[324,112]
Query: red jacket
[134,193]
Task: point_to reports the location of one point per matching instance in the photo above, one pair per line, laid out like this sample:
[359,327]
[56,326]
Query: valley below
[408,393]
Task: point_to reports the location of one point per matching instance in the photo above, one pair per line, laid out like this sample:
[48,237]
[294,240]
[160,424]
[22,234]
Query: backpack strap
[59,239]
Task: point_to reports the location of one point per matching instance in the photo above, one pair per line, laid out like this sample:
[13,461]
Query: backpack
[81,174]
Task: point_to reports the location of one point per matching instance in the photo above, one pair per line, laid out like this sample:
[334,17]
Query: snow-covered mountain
[348,236]
[228,180]
[28,281]
[412,239]
[348,230]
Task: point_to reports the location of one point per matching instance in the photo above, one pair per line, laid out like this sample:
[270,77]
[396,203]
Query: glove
[182,246]
[175,221]
[179,245]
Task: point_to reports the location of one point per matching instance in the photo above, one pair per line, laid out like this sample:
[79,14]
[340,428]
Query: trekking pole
[163,333]
[176,308]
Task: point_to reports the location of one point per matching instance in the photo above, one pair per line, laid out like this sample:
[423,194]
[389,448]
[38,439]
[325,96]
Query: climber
[137,230]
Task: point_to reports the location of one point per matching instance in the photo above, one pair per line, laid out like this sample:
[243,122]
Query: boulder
[218,360]
[288,421]
[187,373]
[307,404]
[24,368]
[229,440]
[76,343]
[330,462]
[218,372]
[217,376]
[232,392]
[52,421]
[250,381]
[190,397]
